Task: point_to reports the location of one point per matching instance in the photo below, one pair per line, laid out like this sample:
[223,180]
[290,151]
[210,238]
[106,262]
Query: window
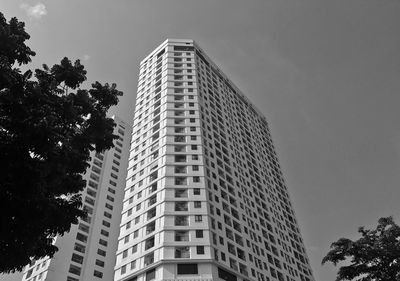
[124,254]
[75,269]
[151,214]
[187,268]
[81,237]
[89,200]
[151,275]
[197,204]
[153,176]
[196,179]
[133,265]
[181,235]
[225,275]
[199,233]
[153,187]
[149,259]
[123,269]
[88,209]
[79,248]
[103,242]
[101,252]
[107,215]
[152,200]
[200,250]
[182,252]
[100,263]
[150,227]
[29,273]
[98,274]
[196,191]
[149,243]
[91,192]
[77,258]
[93,184]
[198,218]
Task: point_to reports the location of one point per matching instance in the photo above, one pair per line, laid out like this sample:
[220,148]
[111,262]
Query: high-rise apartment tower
[87,251]
[205,198]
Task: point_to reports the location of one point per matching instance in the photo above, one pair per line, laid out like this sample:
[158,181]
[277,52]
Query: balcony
[181,193]
[182,252]
[179,113]
[180,139]
[180,169]
[152,201]
[181,220]
[153,177]
[180,181]
[180,148]
[180,158]
[149,243]
[179,121]
[149,259]
[181,206]
[179,130]
[150,227]
[181,236]
[151,214]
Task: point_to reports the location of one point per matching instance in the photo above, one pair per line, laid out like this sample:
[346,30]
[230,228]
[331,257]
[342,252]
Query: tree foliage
[373,257]
[48,127]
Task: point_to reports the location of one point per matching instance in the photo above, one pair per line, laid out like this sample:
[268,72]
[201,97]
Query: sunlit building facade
[87,251]
[205,198]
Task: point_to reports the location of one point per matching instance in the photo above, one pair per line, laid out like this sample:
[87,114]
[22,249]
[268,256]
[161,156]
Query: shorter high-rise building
[87,251]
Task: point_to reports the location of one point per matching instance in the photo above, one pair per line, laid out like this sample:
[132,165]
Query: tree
[48,127]
[373,257]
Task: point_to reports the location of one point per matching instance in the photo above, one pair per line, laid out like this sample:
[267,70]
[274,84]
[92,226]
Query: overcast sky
[325,73]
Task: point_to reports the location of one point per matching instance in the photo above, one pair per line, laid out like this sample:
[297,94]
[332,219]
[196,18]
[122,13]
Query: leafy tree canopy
[48,127]
[373,257]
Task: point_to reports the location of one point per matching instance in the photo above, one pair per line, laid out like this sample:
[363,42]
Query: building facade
[87,251]
[205,198]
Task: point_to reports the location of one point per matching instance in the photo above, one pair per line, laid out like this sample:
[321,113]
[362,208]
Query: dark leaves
[71,75]
[47,133]
[375,256]
[12,42]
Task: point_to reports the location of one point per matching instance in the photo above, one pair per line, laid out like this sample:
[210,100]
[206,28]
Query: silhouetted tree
[48,126]
[373,257]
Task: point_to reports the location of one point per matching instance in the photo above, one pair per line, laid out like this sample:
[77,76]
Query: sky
[324,73]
